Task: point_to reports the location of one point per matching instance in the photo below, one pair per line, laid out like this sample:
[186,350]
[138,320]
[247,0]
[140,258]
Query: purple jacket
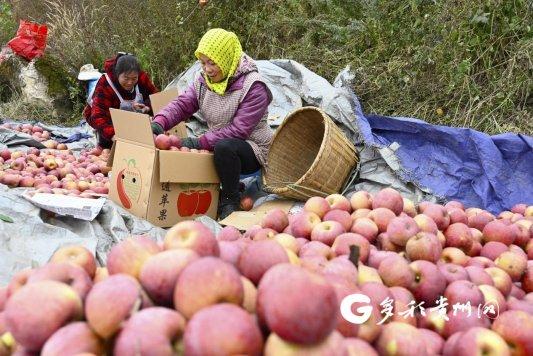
[249,113]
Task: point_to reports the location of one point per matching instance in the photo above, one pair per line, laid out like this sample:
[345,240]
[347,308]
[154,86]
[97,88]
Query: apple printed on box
[193,201]
[129,184]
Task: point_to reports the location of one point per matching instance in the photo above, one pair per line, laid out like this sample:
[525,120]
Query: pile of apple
[36,131]
[56,171]
[173,143]
[276,289]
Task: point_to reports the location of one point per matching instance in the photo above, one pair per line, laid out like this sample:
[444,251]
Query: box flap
[242,220]
[132,126]
[161,99]
[111,155]
[187,167]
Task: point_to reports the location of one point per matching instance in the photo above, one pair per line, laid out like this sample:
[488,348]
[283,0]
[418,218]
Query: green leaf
[6,218]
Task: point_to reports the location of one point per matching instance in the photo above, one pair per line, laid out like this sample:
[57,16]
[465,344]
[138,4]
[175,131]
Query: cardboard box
[159,101]
[163,187]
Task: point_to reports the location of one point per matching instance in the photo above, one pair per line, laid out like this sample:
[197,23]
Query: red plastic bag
[30,40]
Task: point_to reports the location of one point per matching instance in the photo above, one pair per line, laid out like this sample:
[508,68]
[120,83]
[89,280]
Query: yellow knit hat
[223,48]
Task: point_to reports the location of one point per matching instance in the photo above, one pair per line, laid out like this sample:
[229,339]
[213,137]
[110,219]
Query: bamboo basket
[309,156]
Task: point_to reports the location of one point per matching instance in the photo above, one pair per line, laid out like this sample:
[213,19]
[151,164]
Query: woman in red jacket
[123,86]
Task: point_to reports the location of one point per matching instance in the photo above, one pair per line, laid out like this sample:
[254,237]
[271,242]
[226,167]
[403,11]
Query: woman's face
[128,80]
[211,69]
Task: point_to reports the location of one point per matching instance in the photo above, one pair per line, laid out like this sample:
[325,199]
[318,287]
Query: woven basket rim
[327,128]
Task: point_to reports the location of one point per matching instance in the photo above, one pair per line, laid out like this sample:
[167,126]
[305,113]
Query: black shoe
[227,209]
[228,206]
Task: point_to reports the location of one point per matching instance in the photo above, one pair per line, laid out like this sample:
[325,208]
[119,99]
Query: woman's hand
[191,142]
[157,129]
[141,108]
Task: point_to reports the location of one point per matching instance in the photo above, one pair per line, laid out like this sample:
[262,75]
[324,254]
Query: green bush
[460,63]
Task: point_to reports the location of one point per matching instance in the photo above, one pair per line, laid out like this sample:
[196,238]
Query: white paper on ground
[79,208]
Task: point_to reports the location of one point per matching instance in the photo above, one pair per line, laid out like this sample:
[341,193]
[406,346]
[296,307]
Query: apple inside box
[163,187]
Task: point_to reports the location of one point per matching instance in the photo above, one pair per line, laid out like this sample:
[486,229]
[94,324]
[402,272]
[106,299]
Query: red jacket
[104,98]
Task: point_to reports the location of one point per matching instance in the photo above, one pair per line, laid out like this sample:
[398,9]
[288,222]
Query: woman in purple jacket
[233,99]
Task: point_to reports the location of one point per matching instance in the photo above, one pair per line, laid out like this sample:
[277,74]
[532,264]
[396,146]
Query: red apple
[230,251]
[459,235]
[78,255]
[453,272]
[162,142]
[478,276]
[501,279]
[338,201]
[493,249]
[429,282]
[409,207]
[205,282]
[498,231]
[317,205]
[434,342]
[390,199]
[493,296]
[361,200]
[382,217]
[110,302]
[439,214]
[463,320]
[354,347]
[265,234]
[400,339]
[129,255]
[423,246]
[395,271]
[341,216]
[73,339]
[326,232]
[476,341]
[70,274]
[454,255]
[193,235]
[478,219]
[152,331]
[360,213]
[463,292]
[450,344]
[425,223]
[280,304]
[250,295]
[160,272]
[516,327]
[303,224]
[330,346]
[222,329]
[481,261]
[229,233]
[259,256]
[57,304]
[457,216]
[275,219]
[365,227]
[512,263]
[401,229]
[342,243]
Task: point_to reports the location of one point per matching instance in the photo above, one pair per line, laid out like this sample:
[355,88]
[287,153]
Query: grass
[457,62]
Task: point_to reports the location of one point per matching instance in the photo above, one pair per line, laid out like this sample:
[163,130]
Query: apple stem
[354,255]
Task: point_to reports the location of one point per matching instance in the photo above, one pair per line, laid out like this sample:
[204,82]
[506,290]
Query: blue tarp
[490,172]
